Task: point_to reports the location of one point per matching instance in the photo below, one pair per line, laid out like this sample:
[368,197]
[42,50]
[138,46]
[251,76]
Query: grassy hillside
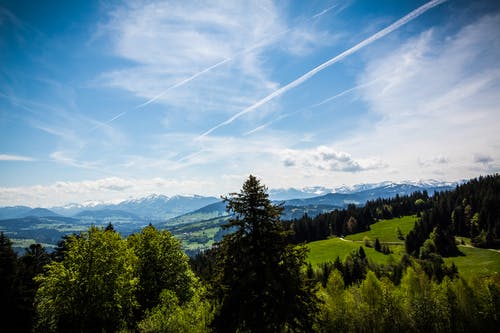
[476,261]
[480,262]
[386,230]
[330,249]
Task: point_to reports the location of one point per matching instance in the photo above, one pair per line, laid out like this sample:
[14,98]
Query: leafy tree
[262,287]
[93,287]
[172,316]
[162,266]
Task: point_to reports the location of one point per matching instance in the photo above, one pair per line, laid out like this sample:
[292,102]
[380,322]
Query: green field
[386,230]
[330,249]
[481,262]
[476,261]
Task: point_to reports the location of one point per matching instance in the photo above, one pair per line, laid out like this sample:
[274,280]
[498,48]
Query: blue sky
[108,100]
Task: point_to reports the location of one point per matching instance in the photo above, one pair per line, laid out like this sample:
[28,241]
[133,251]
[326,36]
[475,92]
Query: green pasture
[476,261]
[330,249]
[386,230]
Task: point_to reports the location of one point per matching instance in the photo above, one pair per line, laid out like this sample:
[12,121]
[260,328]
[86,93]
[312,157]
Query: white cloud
[427,161]
[328,159]
[171,41]
[436,95]
[7,157]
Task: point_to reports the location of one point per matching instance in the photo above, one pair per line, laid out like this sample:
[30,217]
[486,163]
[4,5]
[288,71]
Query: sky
[111,100]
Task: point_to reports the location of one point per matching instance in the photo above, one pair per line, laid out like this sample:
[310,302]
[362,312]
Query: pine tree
[262,285]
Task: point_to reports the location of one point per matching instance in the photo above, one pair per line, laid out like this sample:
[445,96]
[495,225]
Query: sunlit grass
[477,261]
[386,230]
[330,249]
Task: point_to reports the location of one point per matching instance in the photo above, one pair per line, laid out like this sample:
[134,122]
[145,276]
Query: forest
[258,279]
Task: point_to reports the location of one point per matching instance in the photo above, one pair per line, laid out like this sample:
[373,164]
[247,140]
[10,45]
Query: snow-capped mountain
[152,207]
[389,187]
[359,194]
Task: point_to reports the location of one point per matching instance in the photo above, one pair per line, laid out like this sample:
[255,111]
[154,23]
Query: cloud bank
[328,159]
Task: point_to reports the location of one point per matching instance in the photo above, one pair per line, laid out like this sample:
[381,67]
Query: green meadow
[330,249]
[474,262]
[386,230]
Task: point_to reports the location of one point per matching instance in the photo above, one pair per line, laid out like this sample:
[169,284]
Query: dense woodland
[256,278]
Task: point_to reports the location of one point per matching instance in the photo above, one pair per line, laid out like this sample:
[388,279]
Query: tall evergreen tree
[262,286]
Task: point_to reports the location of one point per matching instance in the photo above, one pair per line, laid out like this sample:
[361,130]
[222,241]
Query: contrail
[342,93]
[194,76]
[119,115]
[183,82]
[220,63]
[402,21]
[329,99]
[324,11]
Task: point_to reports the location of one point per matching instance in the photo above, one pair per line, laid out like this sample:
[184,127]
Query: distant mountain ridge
[429,185]
[152,207]
[387,190]
[162,208]
[191,218]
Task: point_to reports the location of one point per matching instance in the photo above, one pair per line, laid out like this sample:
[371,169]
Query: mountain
[368,192]
[295,193]
[38,212]
[152,207]
[13,212]
[217,209]
[75,208]
[106,214]
[162,207]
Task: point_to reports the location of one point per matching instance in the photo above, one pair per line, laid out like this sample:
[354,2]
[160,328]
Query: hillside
[387,230]
[474,262]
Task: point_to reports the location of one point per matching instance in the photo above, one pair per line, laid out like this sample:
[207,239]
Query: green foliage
[261,284]
[417,304]
[162,265]
[173,316]
[92,288]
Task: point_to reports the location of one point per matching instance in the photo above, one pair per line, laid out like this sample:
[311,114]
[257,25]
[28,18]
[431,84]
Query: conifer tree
[262,285]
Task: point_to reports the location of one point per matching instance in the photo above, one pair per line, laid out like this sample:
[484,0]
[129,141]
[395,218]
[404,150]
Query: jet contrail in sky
[329,99]
[324,11]
[208,69]
[396,25]
[183,82]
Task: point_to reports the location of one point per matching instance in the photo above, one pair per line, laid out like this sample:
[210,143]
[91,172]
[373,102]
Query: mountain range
[185,208]
[194,219]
